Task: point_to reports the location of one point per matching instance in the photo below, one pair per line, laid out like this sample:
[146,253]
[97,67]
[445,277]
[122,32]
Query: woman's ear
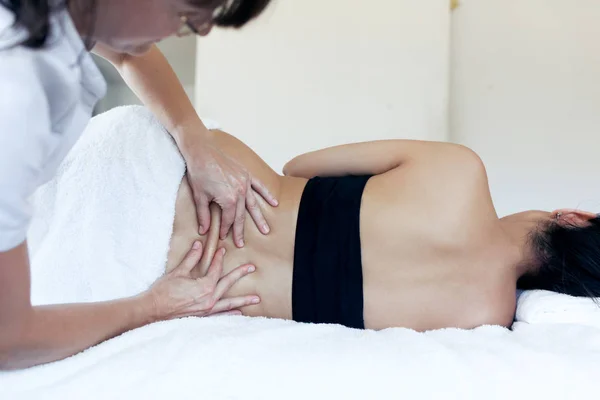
[571,217]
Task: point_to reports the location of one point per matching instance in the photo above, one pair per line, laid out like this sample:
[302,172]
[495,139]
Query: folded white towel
[102,226]
[540,306]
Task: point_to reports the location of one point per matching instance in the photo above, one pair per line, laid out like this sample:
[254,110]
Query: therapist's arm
[214,177]
[154,82]
[35,335]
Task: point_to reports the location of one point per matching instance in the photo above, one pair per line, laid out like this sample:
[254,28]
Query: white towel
[102,226]
[259,359]
[544,307]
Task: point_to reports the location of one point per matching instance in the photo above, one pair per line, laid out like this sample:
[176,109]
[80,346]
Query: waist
[272,254]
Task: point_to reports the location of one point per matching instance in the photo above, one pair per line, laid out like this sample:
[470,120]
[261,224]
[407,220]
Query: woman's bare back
[272,254]
[427,262]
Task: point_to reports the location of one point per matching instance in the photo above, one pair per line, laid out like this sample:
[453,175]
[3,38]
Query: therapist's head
[565,248]
[134,25]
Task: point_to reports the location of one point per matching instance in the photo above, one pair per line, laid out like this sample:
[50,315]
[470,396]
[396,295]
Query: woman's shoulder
[448,173]
[457,170]
[448,189]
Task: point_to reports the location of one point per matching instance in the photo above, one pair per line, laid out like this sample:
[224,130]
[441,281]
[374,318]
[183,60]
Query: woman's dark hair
[569,259]
[34,17]
[239,14]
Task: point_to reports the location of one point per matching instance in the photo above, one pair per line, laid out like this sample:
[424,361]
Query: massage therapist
[49,85]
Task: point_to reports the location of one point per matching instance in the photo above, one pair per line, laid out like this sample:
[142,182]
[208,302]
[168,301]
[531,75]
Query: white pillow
[544,307]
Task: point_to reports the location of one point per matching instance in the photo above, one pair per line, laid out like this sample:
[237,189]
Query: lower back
[272,254]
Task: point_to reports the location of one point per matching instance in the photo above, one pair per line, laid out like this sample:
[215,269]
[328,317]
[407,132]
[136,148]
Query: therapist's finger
[261,189]
[203,211]
[227,217]
[256,213]
[226,305]
[226,282]
[215,270]
[192,258]
[238,222]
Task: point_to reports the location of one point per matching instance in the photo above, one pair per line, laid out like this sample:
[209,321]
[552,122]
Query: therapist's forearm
[153,80]
[52,333]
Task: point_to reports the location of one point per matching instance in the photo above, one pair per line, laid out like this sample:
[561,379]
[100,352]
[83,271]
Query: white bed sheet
[255,358]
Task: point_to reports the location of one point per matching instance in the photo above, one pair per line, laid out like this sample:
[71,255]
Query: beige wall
[526,96]
[316,73]
[523,77]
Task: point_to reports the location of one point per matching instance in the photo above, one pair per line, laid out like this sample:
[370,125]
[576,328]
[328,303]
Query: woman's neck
[518,228]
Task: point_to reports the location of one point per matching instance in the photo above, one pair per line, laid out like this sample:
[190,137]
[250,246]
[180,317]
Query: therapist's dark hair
[34,17]
[240,13]
[568,259]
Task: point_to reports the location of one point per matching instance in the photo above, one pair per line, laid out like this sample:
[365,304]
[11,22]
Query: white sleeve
[25,141]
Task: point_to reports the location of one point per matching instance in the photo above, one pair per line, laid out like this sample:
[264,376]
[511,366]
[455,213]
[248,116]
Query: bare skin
[271,254]
[435,254]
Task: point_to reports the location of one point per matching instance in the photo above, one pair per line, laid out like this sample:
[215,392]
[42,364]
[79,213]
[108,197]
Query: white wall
[526,96]
[314,73]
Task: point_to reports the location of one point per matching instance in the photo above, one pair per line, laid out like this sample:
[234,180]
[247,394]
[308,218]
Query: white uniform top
[46,100]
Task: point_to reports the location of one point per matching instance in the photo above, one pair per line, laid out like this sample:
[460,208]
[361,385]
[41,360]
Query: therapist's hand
[215,177]
[178,295]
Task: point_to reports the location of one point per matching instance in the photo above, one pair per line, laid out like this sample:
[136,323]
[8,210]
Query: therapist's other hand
[215,177]
[178,295]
